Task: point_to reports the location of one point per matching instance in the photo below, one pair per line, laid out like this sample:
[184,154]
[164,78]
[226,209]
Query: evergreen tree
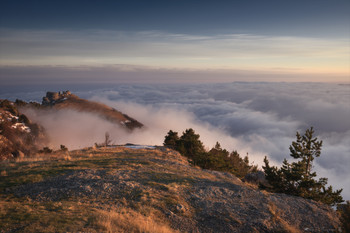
[171,139]
[297,178]
[189,144]
[217,158]
[306,148]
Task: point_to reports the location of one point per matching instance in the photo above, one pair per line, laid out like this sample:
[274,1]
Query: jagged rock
[18,135]
[52,97]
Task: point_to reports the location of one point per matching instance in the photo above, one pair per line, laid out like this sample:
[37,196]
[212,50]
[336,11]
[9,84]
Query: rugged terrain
[121,189]
[21,135]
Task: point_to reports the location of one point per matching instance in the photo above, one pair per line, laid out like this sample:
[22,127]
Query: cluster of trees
[297,178]
[217,158]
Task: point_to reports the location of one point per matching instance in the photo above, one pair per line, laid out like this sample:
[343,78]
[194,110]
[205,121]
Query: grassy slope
[84,213]
[126,190]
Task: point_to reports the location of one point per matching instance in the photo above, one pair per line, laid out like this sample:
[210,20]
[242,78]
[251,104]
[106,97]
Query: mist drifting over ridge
[256,118]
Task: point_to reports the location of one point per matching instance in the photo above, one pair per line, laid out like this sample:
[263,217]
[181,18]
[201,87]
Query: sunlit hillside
[121,189]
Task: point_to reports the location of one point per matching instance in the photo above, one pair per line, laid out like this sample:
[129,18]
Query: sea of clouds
[255,118]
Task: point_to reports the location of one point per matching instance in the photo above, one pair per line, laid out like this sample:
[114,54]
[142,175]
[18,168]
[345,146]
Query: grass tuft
[128,220]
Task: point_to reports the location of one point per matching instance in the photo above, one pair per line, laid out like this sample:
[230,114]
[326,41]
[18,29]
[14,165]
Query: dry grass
[286,227]
[128,220]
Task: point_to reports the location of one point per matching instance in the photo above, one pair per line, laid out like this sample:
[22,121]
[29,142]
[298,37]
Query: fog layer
[256,118]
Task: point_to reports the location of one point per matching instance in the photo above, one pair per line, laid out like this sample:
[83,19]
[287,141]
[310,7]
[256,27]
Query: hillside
[23,135]
[66,100]
[119,189]
[19,136]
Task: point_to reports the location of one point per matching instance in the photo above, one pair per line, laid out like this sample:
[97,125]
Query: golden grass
[128,220]
[277,219]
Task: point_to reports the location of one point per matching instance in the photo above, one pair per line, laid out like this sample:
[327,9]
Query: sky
[173,41]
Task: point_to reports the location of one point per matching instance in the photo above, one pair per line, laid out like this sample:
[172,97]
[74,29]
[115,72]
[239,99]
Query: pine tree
[171,139]
[306,148]
[297,178]
[189,144]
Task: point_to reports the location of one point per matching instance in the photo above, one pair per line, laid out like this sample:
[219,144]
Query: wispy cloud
[166,50]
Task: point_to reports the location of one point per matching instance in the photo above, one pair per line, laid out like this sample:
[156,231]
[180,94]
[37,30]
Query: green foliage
[217,158]
[171,139]
[189,144]
[297,178]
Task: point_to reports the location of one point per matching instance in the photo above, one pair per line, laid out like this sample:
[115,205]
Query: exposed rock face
[257,178]
[52,98]
[19,136]
[189,198]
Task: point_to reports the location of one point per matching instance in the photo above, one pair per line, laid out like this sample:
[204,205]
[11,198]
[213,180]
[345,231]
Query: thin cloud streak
[166,50]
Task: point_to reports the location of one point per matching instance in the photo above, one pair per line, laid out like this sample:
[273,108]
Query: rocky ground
[152,190]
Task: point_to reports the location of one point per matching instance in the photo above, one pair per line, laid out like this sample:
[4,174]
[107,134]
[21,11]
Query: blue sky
[149,41]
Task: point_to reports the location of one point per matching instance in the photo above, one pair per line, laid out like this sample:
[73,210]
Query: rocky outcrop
[52,98]
[188,198]
[19,136]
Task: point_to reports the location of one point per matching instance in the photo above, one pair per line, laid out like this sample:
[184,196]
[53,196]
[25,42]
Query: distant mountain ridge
[67,100]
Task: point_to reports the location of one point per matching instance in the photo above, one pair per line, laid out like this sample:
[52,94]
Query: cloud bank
[256,118]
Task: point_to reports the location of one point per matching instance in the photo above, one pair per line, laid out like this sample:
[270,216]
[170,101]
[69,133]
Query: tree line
[217,158]
[294,178]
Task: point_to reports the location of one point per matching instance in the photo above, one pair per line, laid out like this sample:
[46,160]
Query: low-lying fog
[255,118]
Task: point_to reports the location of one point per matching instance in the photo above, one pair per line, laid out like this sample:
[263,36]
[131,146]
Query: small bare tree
[107,139]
